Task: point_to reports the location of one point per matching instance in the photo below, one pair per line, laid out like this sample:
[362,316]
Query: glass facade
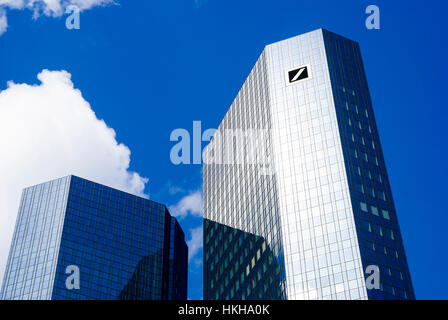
[325,210]
[242,265]
[125,247]
[374,210]
[241,207]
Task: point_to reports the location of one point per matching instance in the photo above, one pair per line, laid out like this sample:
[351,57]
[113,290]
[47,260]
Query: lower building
[79,240]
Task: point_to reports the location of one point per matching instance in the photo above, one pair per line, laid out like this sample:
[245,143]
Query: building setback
[119,246]
[310,212]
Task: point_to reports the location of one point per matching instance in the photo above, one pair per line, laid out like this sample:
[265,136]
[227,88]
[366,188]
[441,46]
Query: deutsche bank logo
[298,74]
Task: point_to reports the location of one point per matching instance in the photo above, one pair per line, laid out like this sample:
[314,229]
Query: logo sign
[298,74]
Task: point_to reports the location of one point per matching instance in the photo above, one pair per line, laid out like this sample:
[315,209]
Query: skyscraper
[75,239]
[297,200]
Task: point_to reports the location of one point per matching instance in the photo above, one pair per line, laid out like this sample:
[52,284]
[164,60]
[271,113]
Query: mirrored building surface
[121,246]
[295,175]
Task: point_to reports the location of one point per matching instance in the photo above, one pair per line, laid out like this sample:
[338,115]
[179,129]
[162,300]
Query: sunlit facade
[307,222]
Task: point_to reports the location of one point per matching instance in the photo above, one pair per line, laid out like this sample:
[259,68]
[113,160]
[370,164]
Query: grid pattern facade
[120,243]
[241,265]
[239,194]
[322,255]
[34,249]
[178,262]
[329,231]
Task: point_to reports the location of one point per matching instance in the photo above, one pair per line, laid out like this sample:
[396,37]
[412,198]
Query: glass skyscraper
[119,246]
[297,201]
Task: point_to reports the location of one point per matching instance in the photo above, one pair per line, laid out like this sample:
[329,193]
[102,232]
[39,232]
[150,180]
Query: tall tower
[79,240]
[297,201]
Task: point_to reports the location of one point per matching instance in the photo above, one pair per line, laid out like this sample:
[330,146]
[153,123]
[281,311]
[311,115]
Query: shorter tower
[79,240]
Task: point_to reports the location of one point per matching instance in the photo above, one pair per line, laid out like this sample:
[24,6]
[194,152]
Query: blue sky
[149,67]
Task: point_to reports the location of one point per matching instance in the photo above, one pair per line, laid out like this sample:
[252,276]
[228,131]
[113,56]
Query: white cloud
[191,204]
[174,190]
[195,243]
[197,262]
[13,4]
[3,22]
[51,8]
[48,131]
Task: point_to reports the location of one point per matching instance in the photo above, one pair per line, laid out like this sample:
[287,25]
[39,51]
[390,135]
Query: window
[363,207]
[361,188]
